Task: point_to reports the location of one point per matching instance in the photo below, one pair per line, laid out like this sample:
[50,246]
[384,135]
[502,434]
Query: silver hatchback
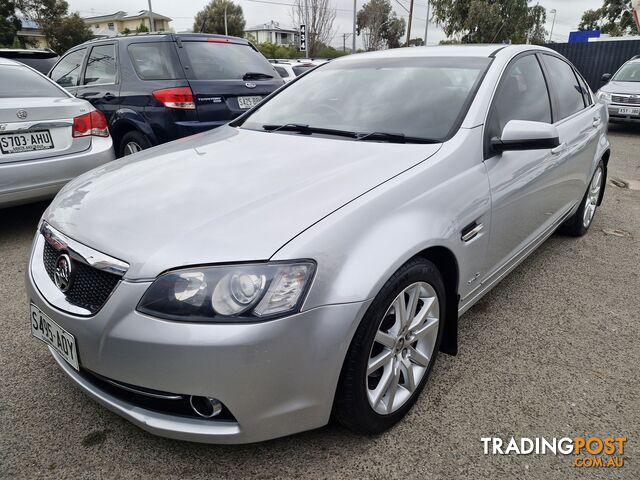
[47,136]
[313,256]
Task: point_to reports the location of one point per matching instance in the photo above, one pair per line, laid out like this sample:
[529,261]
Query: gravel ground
[554,350]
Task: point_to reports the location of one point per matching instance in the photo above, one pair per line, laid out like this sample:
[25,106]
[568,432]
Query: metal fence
[596,58]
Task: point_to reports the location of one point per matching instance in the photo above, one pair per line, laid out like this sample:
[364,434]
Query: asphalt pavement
[553,351]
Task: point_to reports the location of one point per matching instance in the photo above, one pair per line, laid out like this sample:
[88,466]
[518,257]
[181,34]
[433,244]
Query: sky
[262,11]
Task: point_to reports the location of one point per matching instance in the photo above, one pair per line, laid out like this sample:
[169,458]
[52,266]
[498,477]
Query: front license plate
[45,329]
[629,111]
[248,102]
[25,142]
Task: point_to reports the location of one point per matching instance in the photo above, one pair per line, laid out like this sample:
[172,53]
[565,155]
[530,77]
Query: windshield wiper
[393,138]
[255,76]
[306,129]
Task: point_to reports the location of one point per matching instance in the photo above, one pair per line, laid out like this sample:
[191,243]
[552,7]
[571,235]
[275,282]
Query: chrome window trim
[82,253]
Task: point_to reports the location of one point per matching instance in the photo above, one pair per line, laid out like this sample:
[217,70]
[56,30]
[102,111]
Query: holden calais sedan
[47,137]
[313,256]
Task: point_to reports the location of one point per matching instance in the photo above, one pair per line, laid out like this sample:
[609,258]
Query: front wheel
[393,350]
[578,224]
[133,142]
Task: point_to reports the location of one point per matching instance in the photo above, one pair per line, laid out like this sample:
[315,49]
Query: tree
[491,21]
[142,28]
[416,42]
[211,18]
[126,30]
[61,30]
[318,16]
[66,32]
[379,25]
[614,18]
[9,23]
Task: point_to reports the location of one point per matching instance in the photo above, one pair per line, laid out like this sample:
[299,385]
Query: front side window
[101,66]
[567,88]
[628,73]
[18,81]
[225,61]
[521,95]
[416,97]
[67,72]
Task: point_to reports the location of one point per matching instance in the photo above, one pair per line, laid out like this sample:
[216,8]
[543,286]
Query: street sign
[303,38]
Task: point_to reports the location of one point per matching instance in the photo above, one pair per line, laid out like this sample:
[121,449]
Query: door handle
[108,96]
[559,149]
[596,122]
[471,232]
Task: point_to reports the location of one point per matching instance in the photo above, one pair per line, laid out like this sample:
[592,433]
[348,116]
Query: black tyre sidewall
[352,407]
[140,138]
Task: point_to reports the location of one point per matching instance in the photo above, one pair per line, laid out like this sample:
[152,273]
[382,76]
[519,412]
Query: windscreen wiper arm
[393,138]
[306,129]
[255,75]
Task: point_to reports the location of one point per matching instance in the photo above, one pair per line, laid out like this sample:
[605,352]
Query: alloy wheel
[403,347]
[132,147]
[591,202]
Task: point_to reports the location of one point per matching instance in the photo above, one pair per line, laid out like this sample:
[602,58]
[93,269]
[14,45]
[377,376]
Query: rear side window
[522,95]
[67,72]
[18,81]
[155,61]
[281,71]
[225,61]
[568,90]
[101,65]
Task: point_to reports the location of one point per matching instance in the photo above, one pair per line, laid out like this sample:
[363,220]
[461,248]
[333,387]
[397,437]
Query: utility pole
[152,24]
[353,47]
[426,25]
[555,12]
[409,25]
[226,31]
[344,41]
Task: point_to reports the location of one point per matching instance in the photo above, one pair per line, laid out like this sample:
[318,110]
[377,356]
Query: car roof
[164,36]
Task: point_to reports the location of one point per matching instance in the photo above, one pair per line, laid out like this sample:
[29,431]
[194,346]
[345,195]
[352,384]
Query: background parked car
[40,59]
[621,93]
[47,137]
[154,88]
[290,69]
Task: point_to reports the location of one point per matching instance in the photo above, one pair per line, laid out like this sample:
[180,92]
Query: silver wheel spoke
[382,387]
[428,304]
[385,339]
[426,329]
[408,372]
[375,363]
[418,357]
[393,389]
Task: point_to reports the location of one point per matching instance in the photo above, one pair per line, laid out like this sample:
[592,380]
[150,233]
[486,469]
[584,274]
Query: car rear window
[225,61]
[18,81]
[155,61]
[300,69]
[40,61]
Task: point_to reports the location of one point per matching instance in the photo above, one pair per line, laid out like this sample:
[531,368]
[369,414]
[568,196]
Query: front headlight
[604,97]
[236,293]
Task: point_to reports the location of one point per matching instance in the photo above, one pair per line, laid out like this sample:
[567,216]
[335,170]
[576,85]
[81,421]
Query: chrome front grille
[626,99]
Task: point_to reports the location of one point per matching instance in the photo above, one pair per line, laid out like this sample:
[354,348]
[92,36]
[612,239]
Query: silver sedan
[313,256]
[47,137]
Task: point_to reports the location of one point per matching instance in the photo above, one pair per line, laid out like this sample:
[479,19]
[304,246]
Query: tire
[578,224]
[133,142]
[355,404]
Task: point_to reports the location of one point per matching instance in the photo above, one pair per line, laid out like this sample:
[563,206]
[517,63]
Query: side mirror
[606,77]
[523,135]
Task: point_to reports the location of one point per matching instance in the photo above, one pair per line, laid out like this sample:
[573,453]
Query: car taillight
[179,98]
[90,124]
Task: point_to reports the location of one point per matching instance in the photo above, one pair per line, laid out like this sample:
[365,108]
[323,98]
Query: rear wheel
[580,221]
[133,142]
[393,350]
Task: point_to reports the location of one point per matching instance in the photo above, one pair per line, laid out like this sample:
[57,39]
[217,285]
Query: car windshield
[421,98]
[628,73]
[19,81]
[227,61]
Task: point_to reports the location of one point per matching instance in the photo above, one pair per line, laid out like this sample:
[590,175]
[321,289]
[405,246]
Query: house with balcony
[119,22]
[274,33]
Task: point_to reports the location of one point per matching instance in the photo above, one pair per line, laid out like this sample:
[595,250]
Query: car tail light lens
[90,124]
[180,98]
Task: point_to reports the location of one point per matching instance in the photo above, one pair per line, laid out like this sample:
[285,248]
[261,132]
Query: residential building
[32,33]
[110,25]
[272,32]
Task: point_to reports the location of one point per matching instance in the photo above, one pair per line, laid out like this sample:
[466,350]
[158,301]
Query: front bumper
[276,378]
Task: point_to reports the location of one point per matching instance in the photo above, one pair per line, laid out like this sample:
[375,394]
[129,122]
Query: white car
[47,136]
[289,70]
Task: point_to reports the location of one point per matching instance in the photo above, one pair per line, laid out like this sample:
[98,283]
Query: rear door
[227,78]
[579,122]
[36,117]
[100,84]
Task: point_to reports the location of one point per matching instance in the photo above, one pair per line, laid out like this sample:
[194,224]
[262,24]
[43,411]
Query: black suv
[154,88]
[39,59]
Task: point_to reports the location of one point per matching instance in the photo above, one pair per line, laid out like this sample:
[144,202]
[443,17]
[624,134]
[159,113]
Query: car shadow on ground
[16,220]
